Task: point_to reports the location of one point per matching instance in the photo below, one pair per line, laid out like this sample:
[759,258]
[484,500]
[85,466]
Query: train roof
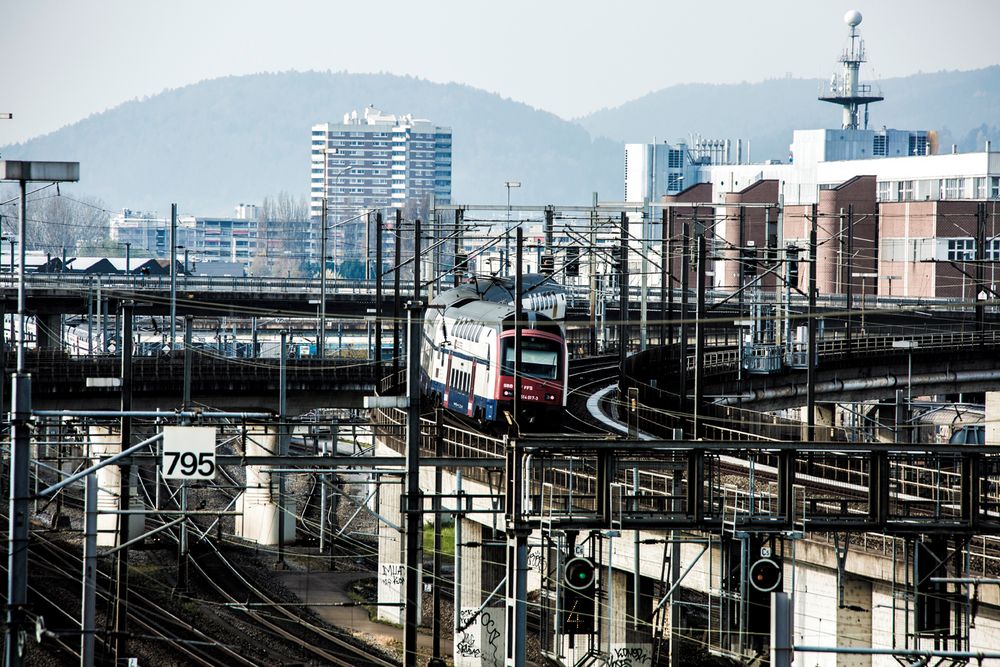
[498,290]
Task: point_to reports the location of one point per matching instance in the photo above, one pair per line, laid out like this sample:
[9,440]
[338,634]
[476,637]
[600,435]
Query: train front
[543,369]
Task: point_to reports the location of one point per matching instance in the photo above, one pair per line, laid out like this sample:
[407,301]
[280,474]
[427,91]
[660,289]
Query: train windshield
[539,357]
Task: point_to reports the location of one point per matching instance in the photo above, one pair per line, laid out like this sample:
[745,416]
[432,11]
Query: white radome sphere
[852,18]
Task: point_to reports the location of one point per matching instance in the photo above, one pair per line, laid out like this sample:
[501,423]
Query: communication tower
[845,88]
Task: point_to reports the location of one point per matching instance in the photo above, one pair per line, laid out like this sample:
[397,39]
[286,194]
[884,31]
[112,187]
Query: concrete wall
[810,577]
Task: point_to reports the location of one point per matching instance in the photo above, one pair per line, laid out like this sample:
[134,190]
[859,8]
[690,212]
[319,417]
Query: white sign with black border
[188,452]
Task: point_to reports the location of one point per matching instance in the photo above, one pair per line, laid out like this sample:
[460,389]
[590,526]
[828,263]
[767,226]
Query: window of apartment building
[960,250]
[993,250]
[885,191]
[904,190]
[995,187]
[918,145]
[675,158]
[979,188]
[879,145]
[951,188]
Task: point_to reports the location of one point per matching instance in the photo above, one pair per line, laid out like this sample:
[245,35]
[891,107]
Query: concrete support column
[854,621]
[390,554]
[106,441]
[825,421]
[49,332]
[993,418]
[468,647]
[258,504]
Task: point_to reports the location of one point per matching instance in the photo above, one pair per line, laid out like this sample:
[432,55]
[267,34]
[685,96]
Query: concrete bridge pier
[480,632]
[391,561]
[49,331]
[105,441]
[258,505]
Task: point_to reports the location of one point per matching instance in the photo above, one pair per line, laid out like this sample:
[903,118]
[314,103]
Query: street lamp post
[20,415]
[505,264]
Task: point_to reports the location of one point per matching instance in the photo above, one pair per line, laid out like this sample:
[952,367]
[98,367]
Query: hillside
[213,144]
[963,106]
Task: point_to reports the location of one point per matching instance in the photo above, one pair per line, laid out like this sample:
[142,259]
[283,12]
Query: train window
[539,357]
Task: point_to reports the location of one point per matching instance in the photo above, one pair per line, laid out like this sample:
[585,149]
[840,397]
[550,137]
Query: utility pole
[593,277]
[666,293]
[683,347]
[398,259]
[378,295]
[124,489]
[518,323]
[413,501]
[457,274]
[188,326]
[811,347]
[321,338]
[980,261]
[282,442]
[88,623]
[436,589]
[623,297]
[173,277]
[699,337]
[850,273]
[645,226]
[20,465]
[18,529]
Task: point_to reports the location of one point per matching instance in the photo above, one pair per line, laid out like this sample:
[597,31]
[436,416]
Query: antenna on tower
[847,91]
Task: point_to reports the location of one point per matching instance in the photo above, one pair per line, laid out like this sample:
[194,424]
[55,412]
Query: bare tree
[282,236]
[57,223]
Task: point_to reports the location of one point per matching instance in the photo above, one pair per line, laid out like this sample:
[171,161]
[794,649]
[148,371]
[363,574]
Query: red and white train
[467,352]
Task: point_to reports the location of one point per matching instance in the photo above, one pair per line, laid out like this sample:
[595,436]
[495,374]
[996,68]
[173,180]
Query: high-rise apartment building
[375,161]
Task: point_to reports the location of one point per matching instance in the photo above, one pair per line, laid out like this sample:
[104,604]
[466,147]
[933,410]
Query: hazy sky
[65,60]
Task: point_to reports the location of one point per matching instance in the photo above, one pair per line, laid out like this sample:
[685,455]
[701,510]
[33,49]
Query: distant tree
[56,223]
[282,223]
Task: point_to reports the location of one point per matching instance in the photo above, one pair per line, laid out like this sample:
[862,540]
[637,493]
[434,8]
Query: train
[467,355]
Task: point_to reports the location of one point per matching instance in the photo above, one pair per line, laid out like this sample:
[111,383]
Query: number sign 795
[189,452]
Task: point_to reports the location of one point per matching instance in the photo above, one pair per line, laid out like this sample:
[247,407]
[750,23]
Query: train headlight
[550,397]
[508,392]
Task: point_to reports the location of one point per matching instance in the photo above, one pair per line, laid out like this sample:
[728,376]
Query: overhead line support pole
[623,297]
[173,277]
[396,311]
[850,274]
[811,347]
[592,271]
[321,335]
[378,295]
[980,265]
[699,342]
[125,479]
[683,346]
[413,502]
[20,463]
[518,322]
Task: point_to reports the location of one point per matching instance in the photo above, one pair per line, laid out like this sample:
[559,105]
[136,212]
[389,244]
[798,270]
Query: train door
[447,380]
[472,389]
